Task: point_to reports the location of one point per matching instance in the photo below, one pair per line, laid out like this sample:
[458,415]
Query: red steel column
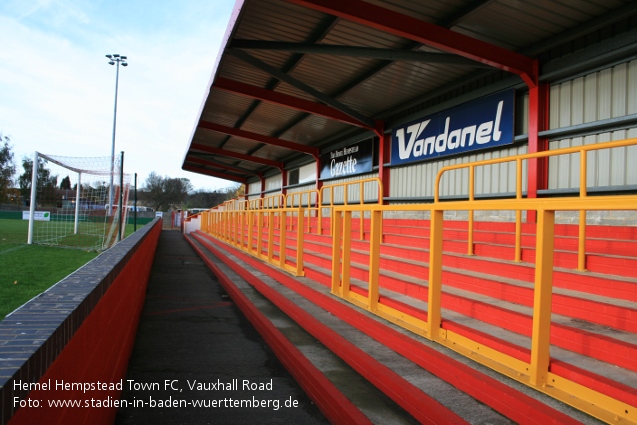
[384,145]
[319,182]
[284,181]
[537,171]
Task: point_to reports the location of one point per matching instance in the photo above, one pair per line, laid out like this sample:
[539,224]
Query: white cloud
[58,89]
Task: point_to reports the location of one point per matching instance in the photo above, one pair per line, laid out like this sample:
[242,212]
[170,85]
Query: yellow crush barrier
[344,187]
[581,150]
[534,373]
[244,229]
[311,204]
[244,226]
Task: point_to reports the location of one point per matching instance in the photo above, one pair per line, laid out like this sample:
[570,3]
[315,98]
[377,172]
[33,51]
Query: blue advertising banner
[479,124]
[348,161]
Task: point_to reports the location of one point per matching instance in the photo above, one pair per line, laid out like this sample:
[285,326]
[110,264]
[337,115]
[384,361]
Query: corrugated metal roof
[302,49]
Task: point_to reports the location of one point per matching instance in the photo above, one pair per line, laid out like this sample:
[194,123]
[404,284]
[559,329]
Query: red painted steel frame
[449,41]
[537,169]
[384,146]
[285,100]
[259,138]
[402,25]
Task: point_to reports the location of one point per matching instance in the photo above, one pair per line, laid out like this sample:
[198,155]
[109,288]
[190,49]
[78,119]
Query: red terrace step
[562,231]
[602,312]
[600,347]
[606,260]
[394,225]
[497,240]
[322,391]
[504,399]
[417,403]
[503,240]
[591,283]
[578,375]
[589,379]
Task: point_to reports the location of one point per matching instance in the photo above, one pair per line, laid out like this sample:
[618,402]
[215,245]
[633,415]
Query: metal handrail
[536,372]
[361,200]
[293,196]
[582,150]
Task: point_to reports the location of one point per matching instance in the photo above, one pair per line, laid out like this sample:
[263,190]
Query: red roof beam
[405,26]
[285,100]
[268,140]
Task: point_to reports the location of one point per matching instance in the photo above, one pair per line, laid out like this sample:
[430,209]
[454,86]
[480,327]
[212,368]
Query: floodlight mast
[114,59]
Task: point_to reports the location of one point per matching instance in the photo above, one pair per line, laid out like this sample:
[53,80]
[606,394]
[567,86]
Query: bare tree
[165,192]
[7,167]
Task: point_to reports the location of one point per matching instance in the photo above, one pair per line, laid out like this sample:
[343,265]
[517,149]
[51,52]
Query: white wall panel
[254,190]
[273,183]
[307,173]
[609,93]
[370,189]
[419,180]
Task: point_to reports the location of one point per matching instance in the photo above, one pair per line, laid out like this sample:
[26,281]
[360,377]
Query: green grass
[28,270]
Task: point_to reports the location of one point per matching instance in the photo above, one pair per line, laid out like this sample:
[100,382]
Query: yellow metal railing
[534,373]
[244,226]
[344,187]
[518,159]
[244,229]
[311,204]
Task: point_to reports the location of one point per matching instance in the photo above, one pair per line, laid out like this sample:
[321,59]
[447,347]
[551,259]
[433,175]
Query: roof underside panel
[268,119]
[277,20]
[306,130]
[224,108]
[532,21]
[209,138]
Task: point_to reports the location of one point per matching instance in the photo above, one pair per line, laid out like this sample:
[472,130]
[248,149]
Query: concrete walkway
[197,360]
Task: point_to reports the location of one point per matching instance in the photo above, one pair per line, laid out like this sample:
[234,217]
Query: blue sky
[57,90]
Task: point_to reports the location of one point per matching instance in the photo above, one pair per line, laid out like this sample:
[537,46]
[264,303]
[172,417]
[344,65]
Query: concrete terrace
[190,331]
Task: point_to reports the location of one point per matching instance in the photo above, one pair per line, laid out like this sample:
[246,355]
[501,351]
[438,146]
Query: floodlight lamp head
[124,57]
[109,56]
[111,63]
[124,64]
[116,55]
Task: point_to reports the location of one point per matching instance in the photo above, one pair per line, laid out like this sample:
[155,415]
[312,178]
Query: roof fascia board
[223,176]
[230,30]
[223,152]
[259,64]
[285,100]
[405,26]
[258,137]
[356,51]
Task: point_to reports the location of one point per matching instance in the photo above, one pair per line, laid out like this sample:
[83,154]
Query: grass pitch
[29,270]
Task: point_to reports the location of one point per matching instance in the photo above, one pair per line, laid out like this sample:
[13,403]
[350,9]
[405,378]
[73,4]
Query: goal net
[71,203]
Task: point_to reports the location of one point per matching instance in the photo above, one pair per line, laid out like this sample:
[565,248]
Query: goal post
[70,202]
